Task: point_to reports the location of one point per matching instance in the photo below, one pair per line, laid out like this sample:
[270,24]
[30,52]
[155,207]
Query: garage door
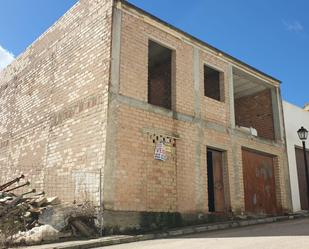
[302,182]
[259,183]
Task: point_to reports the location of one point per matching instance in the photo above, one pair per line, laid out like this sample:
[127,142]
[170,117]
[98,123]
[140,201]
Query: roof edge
[203,43]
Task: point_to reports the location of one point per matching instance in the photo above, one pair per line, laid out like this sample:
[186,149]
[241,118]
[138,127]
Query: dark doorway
[302,182]
[216,197]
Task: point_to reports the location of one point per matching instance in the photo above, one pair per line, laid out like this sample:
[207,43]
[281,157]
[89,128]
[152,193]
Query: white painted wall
[294,118]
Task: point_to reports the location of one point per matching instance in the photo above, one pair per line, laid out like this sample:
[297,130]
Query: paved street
[284,235]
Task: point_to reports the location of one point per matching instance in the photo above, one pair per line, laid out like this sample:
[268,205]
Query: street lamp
[303,135]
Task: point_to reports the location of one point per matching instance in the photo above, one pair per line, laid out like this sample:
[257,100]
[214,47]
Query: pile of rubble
[32,217]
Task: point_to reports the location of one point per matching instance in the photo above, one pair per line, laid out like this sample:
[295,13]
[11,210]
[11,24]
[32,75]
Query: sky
[272,36]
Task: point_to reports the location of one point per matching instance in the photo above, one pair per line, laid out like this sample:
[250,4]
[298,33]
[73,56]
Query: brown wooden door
[259,183]
[302,181]
[216,197]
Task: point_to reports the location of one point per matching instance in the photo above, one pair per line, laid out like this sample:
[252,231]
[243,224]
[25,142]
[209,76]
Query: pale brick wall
[132,162]
[67,114]
[143,184]
[54,105]
[134,43]
[217,111]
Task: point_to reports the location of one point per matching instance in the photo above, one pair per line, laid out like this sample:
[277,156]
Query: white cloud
[294,26]
[5,57]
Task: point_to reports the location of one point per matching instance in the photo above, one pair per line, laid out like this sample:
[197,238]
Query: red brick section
[256,111]
[159,85]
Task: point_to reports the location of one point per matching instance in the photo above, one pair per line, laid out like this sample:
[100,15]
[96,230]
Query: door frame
[275,166]
[300,148]
[225,176]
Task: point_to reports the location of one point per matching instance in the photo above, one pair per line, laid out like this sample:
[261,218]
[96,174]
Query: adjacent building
[114,106]
[296,117]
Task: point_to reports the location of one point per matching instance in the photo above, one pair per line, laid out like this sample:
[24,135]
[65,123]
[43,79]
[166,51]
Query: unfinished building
[114,106]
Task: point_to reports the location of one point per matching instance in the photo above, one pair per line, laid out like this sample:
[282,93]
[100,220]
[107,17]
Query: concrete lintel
[215,126]
[147,130]
[217,146]
[184,117]
[129,101]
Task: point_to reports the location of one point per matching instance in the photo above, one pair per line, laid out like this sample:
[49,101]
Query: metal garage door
[259,183]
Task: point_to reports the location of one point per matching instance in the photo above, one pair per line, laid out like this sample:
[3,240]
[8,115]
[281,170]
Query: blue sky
[272,36]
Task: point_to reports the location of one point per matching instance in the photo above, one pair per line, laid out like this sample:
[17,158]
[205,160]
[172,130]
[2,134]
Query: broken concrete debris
[53,200]
[63,217]
[37,235]
[31,217]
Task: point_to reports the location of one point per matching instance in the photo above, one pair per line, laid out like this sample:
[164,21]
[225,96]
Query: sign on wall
[160,152]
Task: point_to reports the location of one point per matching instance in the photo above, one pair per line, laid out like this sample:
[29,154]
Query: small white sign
[160,153]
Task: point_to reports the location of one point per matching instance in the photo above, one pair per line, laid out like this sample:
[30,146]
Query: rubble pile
[33,217]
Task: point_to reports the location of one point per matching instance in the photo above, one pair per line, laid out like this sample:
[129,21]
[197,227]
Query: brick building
[86,106]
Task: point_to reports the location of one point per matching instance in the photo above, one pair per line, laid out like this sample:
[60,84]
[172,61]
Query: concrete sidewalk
[120,239]
[290,234]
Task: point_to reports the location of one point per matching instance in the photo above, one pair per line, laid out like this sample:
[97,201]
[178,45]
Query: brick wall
[181,185]
[211,109]
[53,105]
[160,85]
[135,35]
[256,111]
[56,99]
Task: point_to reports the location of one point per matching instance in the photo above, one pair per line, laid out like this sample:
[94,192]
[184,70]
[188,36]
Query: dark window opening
[212,83]
[159,75]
